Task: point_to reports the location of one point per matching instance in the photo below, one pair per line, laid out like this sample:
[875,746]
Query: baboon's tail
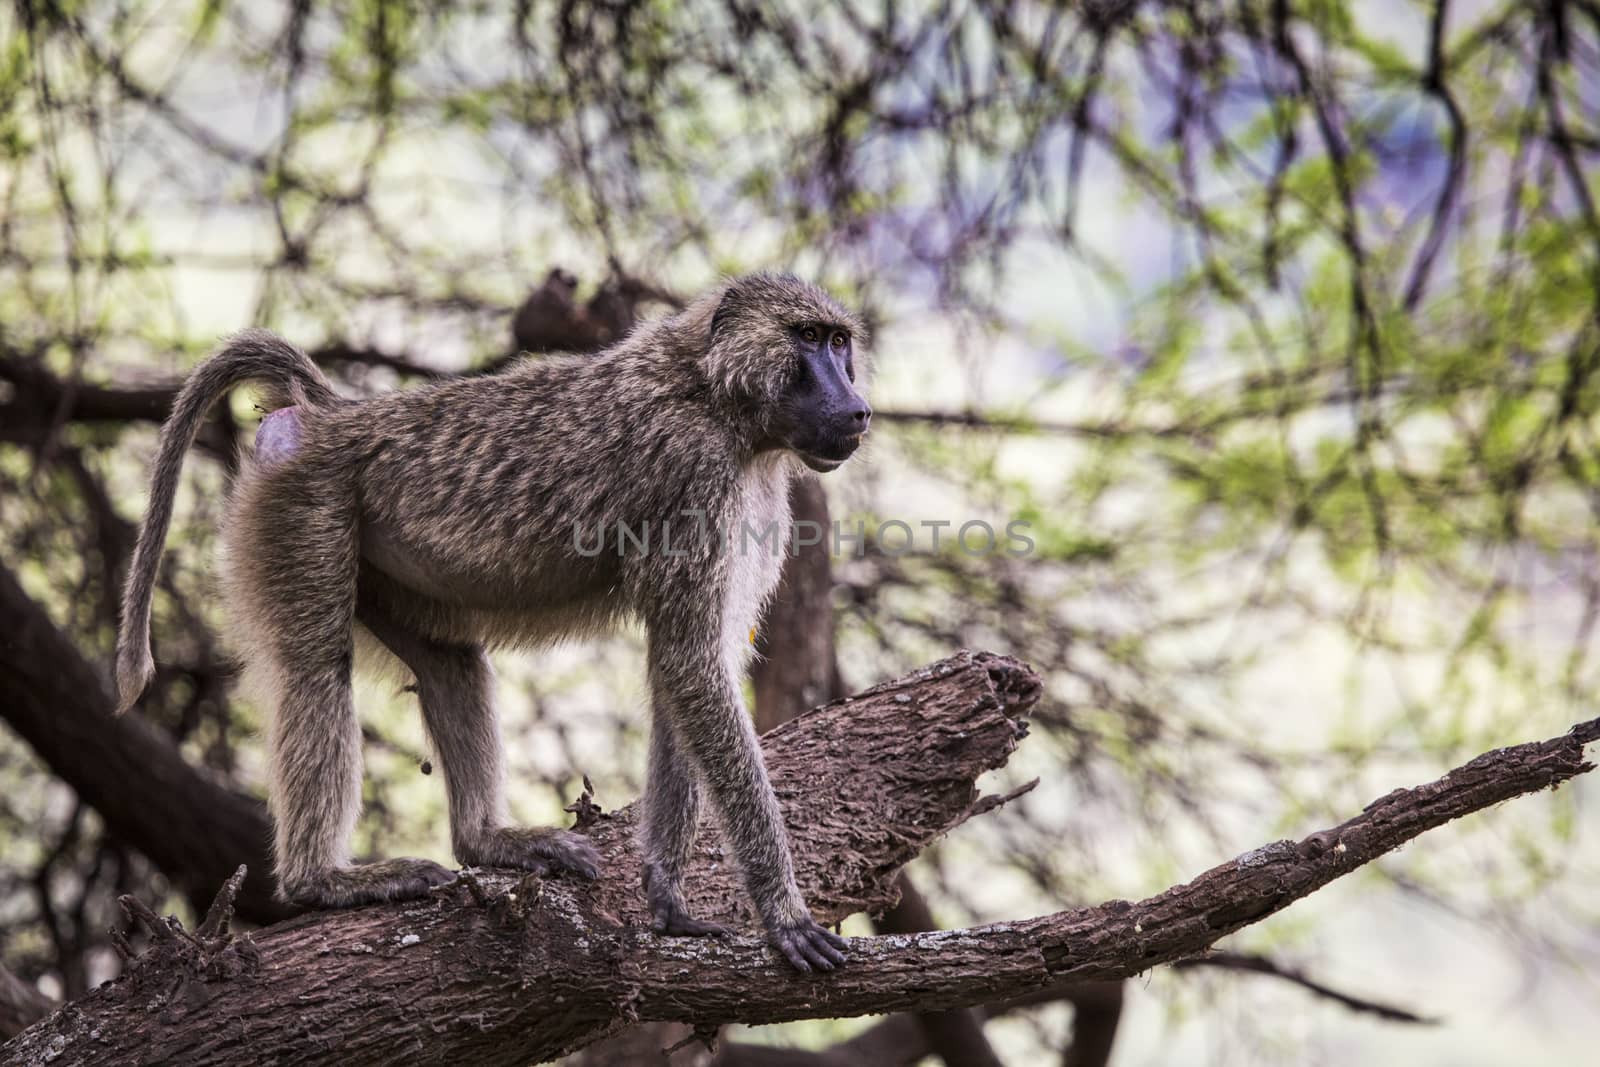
[292,379]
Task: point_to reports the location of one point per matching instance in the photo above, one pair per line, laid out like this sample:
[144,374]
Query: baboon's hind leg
[453,685]
[296,576]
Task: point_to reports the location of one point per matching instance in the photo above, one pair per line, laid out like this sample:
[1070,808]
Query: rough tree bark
[507,971]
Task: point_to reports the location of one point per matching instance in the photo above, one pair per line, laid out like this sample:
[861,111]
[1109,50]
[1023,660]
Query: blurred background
[1277,321]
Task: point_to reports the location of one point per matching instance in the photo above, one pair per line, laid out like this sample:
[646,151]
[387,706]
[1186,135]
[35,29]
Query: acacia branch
[40,396]
[1117,939]
[1097,1006]
[508,971]
[501,969]
[1253,963]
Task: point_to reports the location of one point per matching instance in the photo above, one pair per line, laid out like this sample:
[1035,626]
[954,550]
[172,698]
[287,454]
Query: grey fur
[441,520]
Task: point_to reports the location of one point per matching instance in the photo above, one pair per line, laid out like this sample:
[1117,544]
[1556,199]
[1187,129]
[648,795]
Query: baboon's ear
[725,308]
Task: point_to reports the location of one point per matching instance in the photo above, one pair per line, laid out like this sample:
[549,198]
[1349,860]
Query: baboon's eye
[810,334]
[839,339]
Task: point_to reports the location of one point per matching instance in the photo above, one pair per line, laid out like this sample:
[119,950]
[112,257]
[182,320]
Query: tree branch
[902,1041]
[1252,963]
[1117,939]
[498,969]
[41,404]
[510,971]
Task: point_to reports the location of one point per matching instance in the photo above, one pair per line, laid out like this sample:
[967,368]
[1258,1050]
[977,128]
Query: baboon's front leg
[671,817]
[692,684]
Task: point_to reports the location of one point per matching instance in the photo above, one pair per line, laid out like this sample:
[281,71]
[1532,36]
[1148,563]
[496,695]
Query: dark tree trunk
[21,1005]
[194,828]
[796,667]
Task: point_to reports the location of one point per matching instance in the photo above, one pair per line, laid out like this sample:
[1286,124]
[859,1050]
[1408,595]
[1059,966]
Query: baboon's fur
[446,518]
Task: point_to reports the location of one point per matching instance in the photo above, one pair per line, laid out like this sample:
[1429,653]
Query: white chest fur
[756,546]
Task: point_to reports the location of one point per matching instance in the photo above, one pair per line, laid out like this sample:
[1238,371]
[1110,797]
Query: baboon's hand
[808,945]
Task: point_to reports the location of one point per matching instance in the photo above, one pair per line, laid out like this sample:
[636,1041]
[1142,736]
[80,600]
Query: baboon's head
[788,349]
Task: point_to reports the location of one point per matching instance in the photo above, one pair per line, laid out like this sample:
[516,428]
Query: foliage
[1277,320]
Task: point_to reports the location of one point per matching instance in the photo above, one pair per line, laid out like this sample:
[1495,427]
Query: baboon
[547,501]
[552,320]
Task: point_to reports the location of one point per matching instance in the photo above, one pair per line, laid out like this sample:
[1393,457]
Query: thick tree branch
[1117,939]
[509,971]
[502,970]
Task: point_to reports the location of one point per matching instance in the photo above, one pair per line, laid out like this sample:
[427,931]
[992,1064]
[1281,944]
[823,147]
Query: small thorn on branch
[119,942]
[219,917]
[584,810]
[168,930]
[480,896]
[985,804]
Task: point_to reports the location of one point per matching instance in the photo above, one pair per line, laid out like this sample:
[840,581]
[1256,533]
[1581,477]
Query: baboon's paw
[669,915]
[808,946]
[673,920]
[537,849]
[368,883]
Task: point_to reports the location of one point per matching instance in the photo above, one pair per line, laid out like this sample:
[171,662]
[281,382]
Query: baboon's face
[820,415]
